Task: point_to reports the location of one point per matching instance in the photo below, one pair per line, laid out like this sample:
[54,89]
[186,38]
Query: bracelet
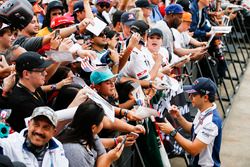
[125,113]
[150,83]
[116,63]
[120,112]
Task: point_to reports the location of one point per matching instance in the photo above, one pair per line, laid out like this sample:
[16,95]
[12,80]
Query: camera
[4,127]
[17,13]
[4,130]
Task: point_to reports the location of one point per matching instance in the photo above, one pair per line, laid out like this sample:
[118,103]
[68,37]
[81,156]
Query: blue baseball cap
[100,75]
[128,18]
[201,85]
[174,9]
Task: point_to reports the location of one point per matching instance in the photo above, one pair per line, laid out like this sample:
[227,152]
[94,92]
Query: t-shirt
[207,127]
[138,66]
[29,43]
[44,31]
[181,39]
[22,103]
[81,156]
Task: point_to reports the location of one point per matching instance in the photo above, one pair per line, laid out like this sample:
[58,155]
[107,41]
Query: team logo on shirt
[142,75]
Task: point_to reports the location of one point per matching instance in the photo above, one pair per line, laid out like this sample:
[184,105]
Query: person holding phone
[81,142]
[205,130]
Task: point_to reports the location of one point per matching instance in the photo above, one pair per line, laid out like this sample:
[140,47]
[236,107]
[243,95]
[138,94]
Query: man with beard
[36,146]
[172,19]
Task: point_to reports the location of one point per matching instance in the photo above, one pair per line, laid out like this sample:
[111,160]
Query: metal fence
[236,51]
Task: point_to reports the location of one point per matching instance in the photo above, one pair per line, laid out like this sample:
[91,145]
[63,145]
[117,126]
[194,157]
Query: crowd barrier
[236,51]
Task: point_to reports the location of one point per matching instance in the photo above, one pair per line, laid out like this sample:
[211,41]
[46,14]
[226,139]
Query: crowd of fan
[143,43]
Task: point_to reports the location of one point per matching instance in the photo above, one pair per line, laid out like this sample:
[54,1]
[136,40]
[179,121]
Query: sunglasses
[103,4]
[102,35]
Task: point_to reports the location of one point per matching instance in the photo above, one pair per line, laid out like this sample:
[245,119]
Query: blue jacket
[203,27]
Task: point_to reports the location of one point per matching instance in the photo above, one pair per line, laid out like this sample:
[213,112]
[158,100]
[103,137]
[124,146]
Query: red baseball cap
[61,20]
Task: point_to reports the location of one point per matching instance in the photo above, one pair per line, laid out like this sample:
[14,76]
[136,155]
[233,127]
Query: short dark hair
[5,30]
[86,115]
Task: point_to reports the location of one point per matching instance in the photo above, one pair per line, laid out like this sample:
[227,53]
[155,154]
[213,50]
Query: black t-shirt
[23,102]
[30,44]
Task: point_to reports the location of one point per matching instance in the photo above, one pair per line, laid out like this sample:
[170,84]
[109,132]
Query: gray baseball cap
[47,112]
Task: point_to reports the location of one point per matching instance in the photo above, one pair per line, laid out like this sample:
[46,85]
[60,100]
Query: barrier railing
[237,57]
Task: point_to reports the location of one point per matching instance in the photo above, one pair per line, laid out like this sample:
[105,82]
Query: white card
[145,112]
[221,29]
[98,26]
[60,56]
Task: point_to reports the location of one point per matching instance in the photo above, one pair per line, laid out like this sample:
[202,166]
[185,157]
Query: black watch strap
[173,133]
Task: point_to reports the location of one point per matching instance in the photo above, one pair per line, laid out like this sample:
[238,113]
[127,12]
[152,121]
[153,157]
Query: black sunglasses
[103,4]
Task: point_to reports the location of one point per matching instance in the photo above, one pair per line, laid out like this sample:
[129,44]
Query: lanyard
[36,94]
[201,119]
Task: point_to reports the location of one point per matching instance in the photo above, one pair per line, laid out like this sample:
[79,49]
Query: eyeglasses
[102,35]
[102,5]
[56,13]
[41,70]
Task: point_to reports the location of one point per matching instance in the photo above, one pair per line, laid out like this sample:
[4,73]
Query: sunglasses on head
[103,4]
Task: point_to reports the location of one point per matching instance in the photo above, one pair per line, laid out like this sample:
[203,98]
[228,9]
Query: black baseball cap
[128,18]
[140,27]
[201,85]
[155,31]
[30,60]
[78,6]
[144,4]
[117,17]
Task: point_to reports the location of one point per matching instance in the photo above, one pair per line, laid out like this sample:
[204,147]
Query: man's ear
[25,74]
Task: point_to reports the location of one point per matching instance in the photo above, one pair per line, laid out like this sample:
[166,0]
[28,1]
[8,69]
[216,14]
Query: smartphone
[123,141]
[119,47]
[160,120]
[57,32]
[135,135]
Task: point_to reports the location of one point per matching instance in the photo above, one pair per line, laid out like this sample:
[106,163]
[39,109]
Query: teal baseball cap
[100,75]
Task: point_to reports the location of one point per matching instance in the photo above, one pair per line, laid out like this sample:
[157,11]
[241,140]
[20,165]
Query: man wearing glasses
[27,93]
[103,7]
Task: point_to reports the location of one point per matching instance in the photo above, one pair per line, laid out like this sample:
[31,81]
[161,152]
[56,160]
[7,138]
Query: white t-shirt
[181,39]
[138,66]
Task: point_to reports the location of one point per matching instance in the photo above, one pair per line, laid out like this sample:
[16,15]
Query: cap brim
[129,23]
[160,35]
[46,64]
[45,116]
[108,78]
[189,89]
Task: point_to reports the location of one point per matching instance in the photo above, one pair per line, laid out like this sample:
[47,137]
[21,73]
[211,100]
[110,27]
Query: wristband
[4,93]
[53,87]
[77,28]
[129,49]
[115,141]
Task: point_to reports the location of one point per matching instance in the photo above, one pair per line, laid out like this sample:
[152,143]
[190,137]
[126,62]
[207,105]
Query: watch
[173,133]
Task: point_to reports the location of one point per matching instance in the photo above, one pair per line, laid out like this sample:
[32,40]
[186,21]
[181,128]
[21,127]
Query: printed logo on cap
[131,17]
